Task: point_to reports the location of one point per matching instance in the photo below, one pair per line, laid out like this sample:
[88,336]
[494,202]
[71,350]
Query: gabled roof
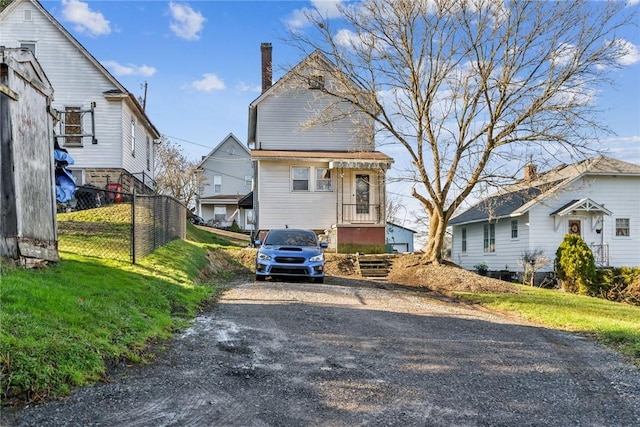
[517,199]
[217,147]
[314,59]
[584,205]
[391,224]
[129,96]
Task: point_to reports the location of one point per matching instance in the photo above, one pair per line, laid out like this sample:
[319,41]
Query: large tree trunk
[437,232]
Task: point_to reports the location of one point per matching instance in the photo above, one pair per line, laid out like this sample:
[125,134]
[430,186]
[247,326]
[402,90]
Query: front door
[575,227]
[363,194]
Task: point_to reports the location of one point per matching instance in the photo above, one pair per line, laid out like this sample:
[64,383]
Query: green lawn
[615,324]
[60,324]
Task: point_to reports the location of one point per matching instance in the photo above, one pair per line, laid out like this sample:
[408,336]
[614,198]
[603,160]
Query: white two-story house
[101,124]
[227,179]
[327,177]
[597,199]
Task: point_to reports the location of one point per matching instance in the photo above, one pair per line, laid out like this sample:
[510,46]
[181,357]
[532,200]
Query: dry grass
[408,270]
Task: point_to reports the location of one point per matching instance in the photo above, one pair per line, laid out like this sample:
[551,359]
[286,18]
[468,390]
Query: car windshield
[291,238]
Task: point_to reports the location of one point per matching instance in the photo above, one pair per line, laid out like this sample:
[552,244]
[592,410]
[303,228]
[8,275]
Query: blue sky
[201,62]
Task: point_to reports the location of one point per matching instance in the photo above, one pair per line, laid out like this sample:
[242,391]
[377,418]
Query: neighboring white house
[102,126]
[228,177]
[399,238]
[324,177]
[598,199]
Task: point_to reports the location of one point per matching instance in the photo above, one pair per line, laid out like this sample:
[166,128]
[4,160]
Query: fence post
[133,227]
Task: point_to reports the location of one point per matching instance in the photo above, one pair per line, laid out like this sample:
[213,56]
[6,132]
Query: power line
[188,142]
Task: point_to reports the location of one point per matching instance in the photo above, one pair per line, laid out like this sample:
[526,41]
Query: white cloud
[208,83]
[631,55]
[246,87]
[84,19]
[129,70]
[186,23]
[326,8]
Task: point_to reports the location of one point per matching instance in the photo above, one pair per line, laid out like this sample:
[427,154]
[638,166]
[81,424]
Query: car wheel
[260,278]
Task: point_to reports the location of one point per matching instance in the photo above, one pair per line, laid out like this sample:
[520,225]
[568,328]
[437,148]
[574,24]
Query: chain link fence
[117,225]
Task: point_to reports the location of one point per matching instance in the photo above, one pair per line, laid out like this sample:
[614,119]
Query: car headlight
[263,257]
[317,258]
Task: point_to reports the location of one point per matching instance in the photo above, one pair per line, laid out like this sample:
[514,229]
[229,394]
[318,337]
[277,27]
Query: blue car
[290,252]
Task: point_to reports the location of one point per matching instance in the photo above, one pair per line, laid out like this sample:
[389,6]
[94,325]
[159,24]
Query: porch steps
[374,267]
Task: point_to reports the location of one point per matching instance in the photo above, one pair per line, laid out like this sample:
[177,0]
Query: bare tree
[470,88]
[175,175]
[4,3]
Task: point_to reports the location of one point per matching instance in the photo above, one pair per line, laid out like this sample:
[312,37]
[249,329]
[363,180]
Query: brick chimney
[530,171]
[267,67]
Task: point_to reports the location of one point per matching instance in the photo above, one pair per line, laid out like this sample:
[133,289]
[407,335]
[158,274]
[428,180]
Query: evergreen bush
[576,266]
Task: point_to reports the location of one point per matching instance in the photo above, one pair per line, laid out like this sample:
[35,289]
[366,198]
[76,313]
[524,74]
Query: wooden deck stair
[374,267]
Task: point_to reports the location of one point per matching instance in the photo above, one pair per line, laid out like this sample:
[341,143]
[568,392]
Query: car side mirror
[257,242]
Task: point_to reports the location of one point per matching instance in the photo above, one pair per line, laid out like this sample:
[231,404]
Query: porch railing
[361,213]
[600,255]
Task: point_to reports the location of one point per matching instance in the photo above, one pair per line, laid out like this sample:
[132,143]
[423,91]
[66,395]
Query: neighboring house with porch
[228,176]
[101,124]
[324,177]
[597,198]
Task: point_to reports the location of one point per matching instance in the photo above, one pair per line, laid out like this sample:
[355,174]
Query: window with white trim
[217,183]
[299,179]
[623,227]
[148,153]
[324,181]
[464,240]
[30,46]
[514,229]
[489,240]
[247,180]
[133,137]
[219,214]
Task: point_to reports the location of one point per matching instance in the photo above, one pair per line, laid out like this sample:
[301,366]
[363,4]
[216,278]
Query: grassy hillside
[61,324]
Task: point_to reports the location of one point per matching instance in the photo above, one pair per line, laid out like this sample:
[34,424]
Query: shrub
[576,266]
[235,227]
[482,268]
[531,260]
[620,284]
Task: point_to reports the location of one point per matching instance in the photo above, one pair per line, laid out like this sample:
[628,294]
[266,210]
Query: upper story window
[489,240]
[514,229]
[133,137]
[464,240]
[316,82]
[300,179]
[29,45]
[72,126]
[622,227]
[217,183]
[247,180]
[148,153]
[324,181]
[27,15]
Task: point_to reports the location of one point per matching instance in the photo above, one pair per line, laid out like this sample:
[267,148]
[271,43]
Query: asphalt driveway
[298,354]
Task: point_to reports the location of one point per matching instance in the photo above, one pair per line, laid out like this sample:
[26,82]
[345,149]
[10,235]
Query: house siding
[280,207]
[282,115]
[232,167]
[77,82]
[538,229]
